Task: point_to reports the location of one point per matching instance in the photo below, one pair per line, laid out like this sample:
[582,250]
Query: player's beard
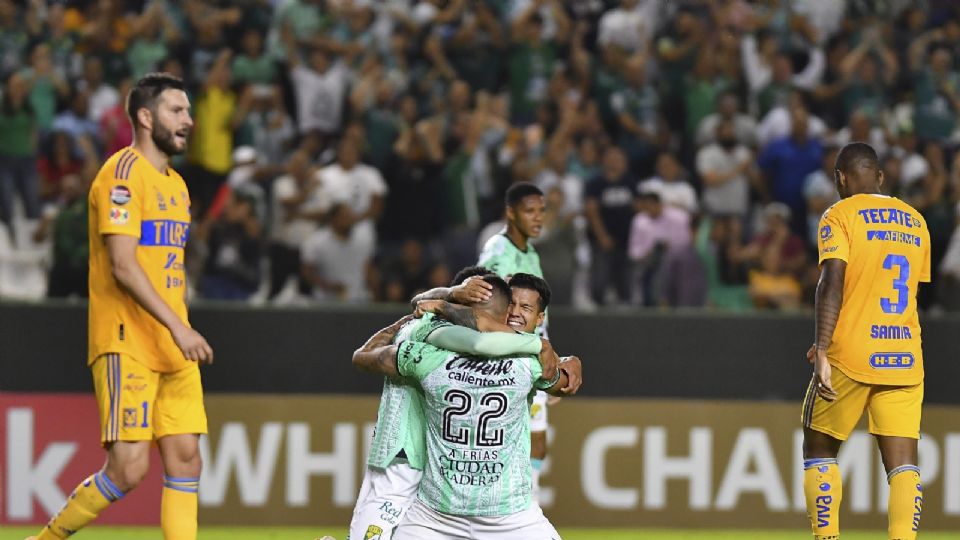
[163,138]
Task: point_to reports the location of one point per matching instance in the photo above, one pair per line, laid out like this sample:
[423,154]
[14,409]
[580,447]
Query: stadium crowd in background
[356,150]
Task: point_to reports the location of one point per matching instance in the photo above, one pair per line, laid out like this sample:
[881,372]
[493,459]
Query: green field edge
[568,533]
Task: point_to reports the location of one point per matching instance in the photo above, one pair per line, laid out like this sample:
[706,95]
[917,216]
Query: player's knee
[129,474]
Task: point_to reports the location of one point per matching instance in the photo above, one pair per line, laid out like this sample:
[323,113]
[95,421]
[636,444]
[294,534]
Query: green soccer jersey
[400,423]
[400,416]
[503,258]
[478,429]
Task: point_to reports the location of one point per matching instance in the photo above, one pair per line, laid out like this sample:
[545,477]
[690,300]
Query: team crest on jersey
[120,195]
[119,216]
[825,233]
[130,418]
[373,533]
[161,203]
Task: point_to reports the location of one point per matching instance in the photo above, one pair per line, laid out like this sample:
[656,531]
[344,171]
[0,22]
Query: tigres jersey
[886,245]
[131,197]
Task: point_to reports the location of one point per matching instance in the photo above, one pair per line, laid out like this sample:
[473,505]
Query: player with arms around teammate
[476,482]
[874,251]
[510,252]
[397,453]
[142,351]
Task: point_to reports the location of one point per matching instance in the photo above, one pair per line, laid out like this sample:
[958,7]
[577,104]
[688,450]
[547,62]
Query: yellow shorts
[139,404]
[893,411]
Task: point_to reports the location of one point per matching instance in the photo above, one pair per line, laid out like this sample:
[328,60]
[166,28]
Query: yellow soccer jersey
[886,245]
[131,197]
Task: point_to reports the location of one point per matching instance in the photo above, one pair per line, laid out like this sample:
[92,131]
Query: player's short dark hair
[469,272]
[529,281]
[147,90]
[857,154]
[518,191]
[501,291]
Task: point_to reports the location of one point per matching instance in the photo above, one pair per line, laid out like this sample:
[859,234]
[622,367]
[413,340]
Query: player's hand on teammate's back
[193,345]
[822,372]
[471,291]
[574,369]
[548,360]
[427,306]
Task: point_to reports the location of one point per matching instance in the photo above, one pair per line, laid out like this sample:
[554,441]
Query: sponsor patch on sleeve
[119,216]
[120,195]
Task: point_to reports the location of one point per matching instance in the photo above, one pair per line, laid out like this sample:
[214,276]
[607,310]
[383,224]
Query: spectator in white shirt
[102,96]
[760,55]
[671,184]
[299,205]
[358,185]
[319,86]
[728,108]
[726,168]
[629,27]
[860,129]
[335,261]
[556,174]
[777,123]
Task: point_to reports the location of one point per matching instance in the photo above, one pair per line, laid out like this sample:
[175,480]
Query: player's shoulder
[117,168]
[498,241]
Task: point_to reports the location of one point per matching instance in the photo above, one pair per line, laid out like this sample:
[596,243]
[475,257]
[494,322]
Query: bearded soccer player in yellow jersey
[874,251]
[142,351]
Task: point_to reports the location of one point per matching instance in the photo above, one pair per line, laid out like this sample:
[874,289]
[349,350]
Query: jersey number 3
[899,284]
[460,404]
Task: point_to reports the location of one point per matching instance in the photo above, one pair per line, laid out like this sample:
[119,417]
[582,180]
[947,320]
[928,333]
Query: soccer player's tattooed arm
[472,290]
[462,316]
[829,300]
[130,276]
[378,355]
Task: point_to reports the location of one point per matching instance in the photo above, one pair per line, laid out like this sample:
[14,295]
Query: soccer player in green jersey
[397,452]
[477,476]
[510,252]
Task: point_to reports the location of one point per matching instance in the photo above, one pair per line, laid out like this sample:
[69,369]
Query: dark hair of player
[534,283]
[500,298]
[855,155]
[469,272]
[145,93]
[518,191]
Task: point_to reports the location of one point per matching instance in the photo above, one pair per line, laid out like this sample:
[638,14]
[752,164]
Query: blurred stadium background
[348,154]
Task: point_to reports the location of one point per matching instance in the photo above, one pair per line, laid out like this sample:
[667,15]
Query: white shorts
[385,495]
[423,523]
[538,412]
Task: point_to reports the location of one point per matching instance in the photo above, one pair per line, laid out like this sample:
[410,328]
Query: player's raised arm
[829,299]
[473,290]
[129,274]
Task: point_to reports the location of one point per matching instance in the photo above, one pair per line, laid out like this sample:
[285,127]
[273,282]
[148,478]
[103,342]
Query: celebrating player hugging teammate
[867,328]
[510,252]
[398,454]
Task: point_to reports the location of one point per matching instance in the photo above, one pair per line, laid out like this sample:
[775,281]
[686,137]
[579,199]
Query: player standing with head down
[874,251]
[510,252]
[143,353]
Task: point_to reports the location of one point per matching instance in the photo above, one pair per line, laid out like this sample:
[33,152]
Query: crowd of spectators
[358,150]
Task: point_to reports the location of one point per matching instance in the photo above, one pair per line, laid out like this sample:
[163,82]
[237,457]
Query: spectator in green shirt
[18,150]
[531,64]
[254,65]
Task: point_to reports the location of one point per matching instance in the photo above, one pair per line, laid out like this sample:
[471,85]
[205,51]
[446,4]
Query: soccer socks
[84,504]
[537,465]
[823,490]
[178,508]
[906,500]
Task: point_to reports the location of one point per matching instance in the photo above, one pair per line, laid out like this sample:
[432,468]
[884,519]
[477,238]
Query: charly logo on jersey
[173,201]
[120,195]
[119,216]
